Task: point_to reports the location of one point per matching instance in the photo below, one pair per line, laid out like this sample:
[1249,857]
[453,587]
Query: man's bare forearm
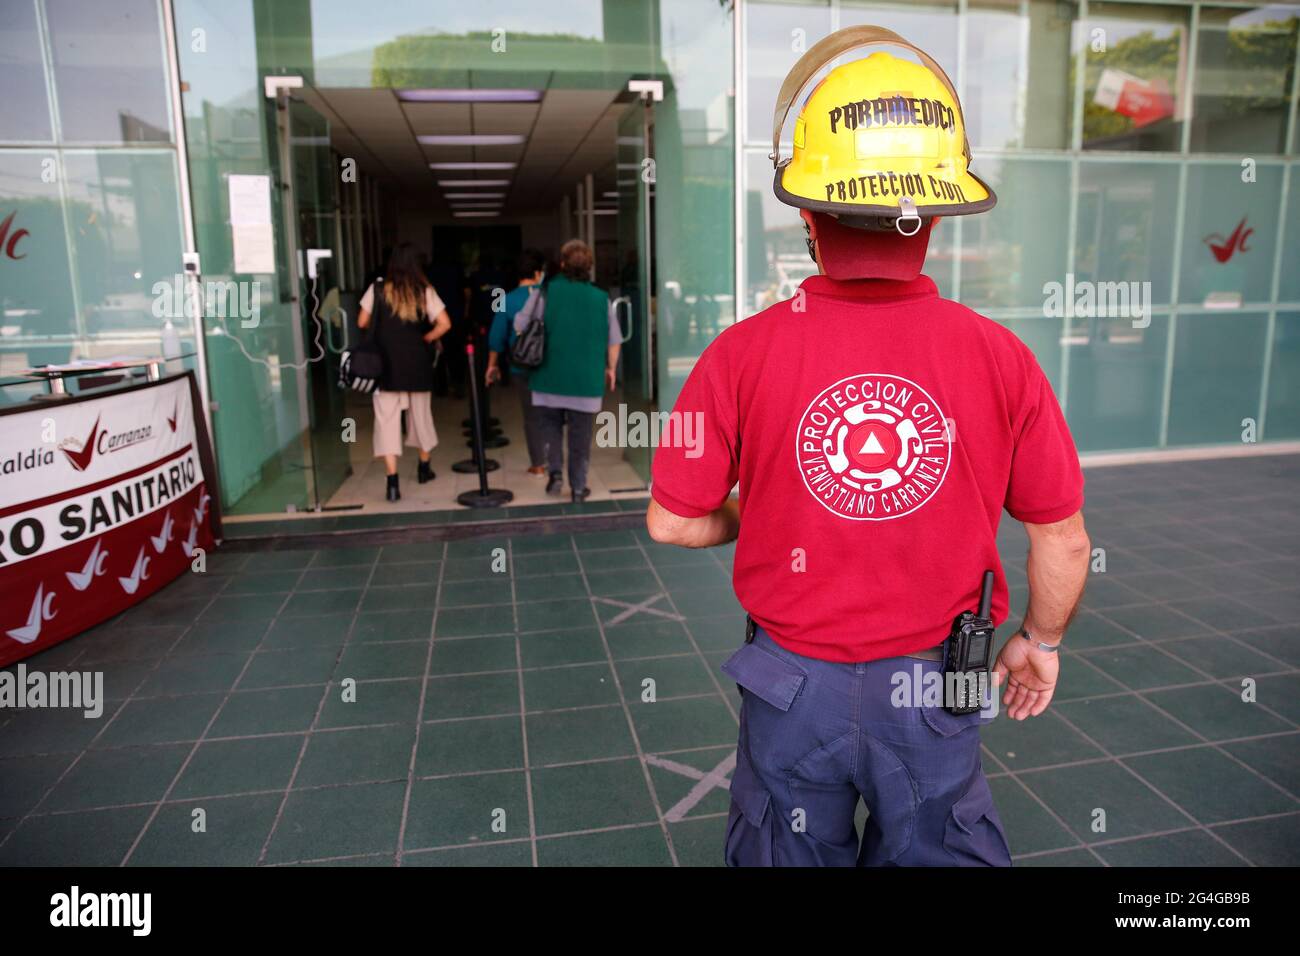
[716,527]
[1058,570]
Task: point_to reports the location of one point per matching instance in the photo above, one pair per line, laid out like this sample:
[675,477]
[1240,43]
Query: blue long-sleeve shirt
[502,333]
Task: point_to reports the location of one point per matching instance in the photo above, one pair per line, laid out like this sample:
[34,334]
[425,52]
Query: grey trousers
[532,428]
[551,422]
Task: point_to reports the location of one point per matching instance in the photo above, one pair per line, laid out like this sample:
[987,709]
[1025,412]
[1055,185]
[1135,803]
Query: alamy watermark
[80,690]
[181,298]
[935,688]
[1098,300]
[638,429]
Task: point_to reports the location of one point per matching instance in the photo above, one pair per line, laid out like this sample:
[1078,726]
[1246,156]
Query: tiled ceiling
[568,134]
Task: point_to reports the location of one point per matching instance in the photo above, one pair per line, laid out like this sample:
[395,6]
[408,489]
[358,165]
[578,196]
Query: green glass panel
[694,188]
[1133,96]
[262,413]
[26,103]
[125,224]
[1116,382]
[1125,218]
[110,74]
[1245,71]
[1017,78]
[1282,419]
[1009,254]
[776,35]
[1218,364]
[1289,280]
[1229,232]
[39,324]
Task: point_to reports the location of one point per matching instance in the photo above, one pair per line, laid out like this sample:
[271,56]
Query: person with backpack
[579,364]
[502,337]
[407,318]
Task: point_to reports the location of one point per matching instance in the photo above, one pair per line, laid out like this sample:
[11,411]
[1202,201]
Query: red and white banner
[102,501]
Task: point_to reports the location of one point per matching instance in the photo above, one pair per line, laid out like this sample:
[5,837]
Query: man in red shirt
[876,432]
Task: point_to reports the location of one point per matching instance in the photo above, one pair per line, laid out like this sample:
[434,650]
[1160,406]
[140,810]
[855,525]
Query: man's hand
[1029,675]
[492,376]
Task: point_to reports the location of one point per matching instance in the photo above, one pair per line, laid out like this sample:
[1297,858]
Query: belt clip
[750,628]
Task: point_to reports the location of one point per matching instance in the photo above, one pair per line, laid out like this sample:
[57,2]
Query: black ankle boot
[394,493]
[555,485]
[424,472]
[582,495]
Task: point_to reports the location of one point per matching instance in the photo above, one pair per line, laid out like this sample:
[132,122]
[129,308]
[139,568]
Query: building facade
[1146,243]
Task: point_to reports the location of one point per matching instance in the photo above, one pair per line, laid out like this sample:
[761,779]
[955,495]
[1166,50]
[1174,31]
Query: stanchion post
[484,497]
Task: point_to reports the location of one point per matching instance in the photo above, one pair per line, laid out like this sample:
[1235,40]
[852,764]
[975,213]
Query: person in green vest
[581,356]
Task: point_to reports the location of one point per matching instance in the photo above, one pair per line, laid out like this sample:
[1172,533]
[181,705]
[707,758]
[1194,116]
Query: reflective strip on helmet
[883,142]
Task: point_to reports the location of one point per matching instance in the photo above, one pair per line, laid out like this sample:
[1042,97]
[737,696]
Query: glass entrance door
[308,212]
[636,302]
[316,182]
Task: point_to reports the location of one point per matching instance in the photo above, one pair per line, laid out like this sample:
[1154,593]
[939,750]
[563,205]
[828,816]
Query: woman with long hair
[407,317]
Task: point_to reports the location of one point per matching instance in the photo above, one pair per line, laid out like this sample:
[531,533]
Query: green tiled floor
[405,704]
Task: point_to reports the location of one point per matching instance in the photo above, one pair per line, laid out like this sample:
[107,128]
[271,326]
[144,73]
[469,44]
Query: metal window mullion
[60,171]
[738,101]
[189,238]
[1275,292]
[1175,281]
[1189,104]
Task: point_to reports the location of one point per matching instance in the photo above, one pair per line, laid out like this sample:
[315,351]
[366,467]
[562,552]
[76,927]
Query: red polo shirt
[877,432]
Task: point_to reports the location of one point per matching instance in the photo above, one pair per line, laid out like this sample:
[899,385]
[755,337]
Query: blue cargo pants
[816,736]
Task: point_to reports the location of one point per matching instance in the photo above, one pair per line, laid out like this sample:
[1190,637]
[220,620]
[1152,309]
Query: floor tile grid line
[350,784]
[1208,592]
[1007,772]
[1193,667]
[1171,604]
[1156,834]
[216,714]
[627,714]
[690,634]
[1283,667]
[1154,751]
[523,704]
[597,760]
[1204,591]
[419,714]
[1141,694]
[320,708]
[453,847]
[103,730]
[1164,796]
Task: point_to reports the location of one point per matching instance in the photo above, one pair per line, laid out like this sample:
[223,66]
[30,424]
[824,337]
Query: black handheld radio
[970,650]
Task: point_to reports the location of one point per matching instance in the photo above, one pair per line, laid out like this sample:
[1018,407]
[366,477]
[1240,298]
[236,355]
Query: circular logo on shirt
[873,446]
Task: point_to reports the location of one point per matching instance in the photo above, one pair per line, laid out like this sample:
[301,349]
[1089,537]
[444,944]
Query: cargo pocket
[946,724]
[973,835]
[750,838]
[768,677]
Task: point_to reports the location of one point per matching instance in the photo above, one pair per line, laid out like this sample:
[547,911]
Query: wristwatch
[1042,646]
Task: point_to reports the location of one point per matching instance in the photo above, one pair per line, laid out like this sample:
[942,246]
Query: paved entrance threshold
[501,719]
